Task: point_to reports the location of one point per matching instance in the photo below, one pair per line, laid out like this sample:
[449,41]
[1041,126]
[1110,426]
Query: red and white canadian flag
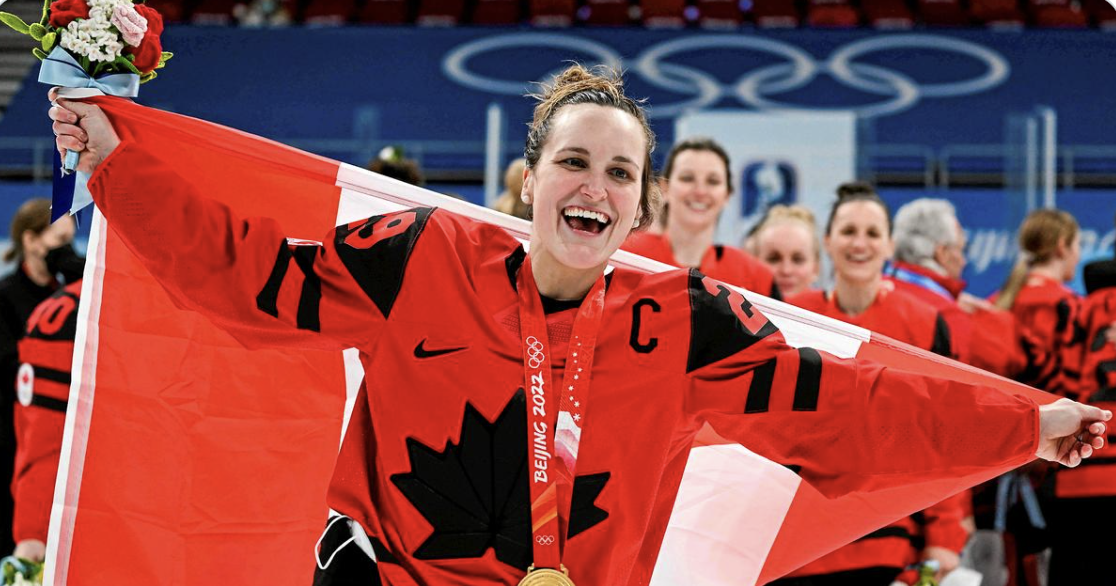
[190,460]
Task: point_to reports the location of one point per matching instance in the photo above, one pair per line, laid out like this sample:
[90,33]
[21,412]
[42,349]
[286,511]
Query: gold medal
[546,577]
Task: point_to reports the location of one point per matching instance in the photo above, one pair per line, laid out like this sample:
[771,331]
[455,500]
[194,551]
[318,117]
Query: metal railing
[452,160]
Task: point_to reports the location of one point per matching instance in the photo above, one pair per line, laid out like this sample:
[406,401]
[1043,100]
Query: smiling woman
[475,458]
[697,183]
[858,241]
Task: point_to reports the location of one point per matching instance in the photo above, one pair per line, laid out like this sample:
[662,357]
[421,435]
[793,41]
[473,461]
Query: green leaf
[15,22]
[125,63]
[39,53]
[166,56]
[37,31]
[48,41]
[148,77]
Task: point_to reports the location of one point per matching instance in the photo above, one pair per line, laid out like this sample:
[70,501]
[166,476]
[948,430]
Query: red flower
[149,51]
[63,12]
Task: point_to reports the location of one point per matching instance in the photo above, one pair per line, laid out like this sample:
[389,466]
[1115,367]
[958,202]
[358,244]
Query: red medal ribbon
[553,435]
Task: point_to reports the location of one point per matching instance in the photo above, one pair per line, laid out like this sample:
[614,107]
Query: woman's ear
[527,193]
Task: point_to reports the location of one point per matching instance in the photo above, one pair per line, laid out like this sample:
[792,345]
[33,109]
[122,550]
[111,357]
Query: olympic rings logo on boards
[757,87]
[535,354]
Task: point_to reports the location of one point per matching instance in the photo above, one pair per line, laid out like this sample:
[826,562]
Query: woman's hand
[1070,431]
[82,128]
[30,549]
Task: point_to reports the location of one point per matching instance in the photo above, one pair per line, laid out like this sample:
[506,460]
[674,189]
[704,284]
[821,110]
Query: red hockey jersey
[1048,310]
[978,338]
[43,388]
[904,317]
[1095,477]
[724,263]
[434,461]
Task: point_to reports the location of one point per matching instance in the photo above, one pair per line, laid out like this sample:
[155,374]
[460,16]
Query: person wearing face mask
[696,184]
[35,241]
[787,242]
[858,241]
[461,464]
[42,391]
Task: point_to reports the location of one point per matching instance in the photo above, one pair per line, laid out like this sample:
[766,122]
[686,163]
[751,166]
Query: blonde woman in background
[787,242]
[1036,293]
[509,200]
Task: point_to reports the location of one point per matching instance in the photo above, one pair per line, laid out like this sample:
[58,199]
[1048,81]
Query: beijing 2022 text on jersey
[434,465]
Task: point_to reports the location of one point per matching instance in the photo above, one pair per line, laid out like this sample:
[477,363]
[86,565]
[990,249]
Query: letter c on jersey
[365,235]
[637,326]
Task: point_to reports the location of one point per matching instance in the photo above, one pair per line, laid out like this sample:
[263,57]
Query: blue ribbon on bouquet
[61,69]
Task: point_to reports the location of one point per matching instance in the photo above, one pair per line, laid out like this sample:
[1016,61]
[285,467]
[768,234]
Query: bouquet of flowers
[100,38]
[20,572]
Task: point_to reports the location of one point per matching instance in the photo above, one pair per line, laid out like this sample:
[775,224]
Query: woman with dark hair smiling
[696,184]
[531,412]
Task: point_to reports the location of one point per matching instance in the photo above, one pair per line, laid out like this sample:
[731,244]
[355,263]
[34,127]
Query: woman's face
[787,248]
[586,186]
[697,189]
[60,233]
[858,242]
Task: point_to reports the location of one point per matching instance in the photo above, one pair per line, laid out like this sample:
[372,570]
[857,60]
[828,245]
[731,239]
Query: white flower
[98,38]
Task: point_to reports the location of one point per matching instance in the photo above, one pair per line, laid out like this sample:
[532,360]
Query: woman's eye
[621,173]
[574,162]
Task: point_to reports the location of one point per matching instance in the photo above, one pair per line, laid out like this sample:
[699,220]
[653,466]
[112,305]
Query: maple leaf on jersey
[475,493]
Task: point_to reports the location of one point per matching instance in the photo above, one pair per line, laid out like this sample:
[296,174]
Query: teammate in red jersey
[1091,488]
[457,467]
[1035,293]
[787,242]
[697,182]
[42,389]
[858,241]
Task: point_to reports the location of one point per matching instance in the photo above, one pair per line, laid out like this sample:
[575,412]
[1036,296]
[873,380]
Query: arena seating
[879,14]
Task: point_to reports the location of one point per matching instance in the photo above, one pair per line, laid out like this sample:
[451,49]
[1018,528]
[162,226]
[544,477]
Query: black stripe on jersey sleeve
[48,403]
[942,345]
[759,392]
[53,375]
[310,299]
[268,299]
[807,388]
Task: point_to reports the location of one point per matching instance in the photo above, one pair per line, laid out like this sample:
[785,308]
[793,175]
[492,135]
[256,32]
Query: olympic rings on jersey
[754,88]
[535,352]
[544,539]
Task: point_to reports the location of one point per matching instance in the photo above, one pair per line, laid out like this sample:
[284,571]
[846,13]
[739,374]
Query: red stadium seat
[384,12]
[1059,16]
[608,12]
[663,13]
[775,13]
[890,14]
[496,12]
[440,12]
[218,12]
[832,14]
[329,12]
[556,13]
[1101,13]
[943,13]
[996,12]
[719,13]
[173,11]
